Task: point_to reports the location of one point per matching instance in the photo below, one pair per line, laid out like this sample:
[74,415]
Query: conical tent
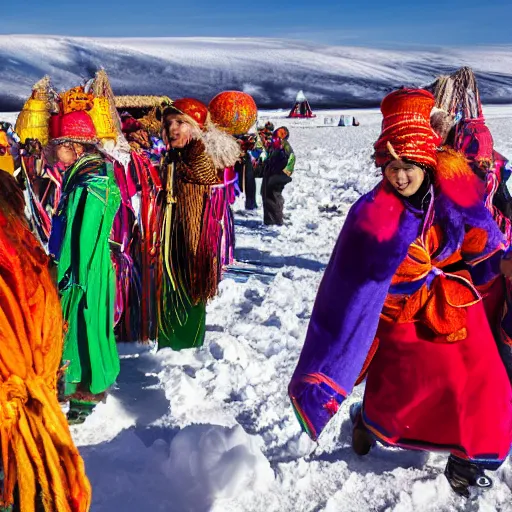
[301,108]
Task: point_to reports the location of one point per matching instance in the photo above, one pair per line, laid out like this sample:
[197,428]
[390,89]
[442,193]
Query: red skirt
[425,394]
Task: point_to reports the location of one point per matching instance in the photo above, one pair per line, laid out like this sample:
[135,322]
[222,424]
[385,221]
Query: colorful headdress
[219,145]
[406,130]
[32,122]
[458,94]
[73,123]
[103,113]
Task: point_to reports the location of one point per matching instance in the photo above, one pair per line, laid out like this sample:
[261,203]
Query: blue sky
[363,23]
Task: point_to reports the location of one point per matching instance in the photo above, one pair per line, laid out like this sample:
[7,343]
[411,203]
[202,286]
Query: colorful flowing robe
[44,189]
[191,246]
[221,199]
[37,449]
[44,184]
[124,248]
[473,138]
[80,243]
[389,307]
[148,194]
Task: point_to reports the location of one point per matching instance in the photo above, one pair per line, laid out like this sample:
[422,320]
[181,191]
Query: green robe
[181,324]
[86,275]
[179,333]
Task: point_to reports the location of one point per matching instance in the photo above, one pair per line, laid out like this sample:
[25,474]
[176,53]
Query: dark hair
[166,110]
[426,168]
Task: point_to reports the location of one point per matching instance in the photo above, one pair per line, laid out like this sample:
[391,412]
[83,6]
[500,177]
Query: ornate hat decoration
[76,99]
[73,127]
[103,113]
[406,130]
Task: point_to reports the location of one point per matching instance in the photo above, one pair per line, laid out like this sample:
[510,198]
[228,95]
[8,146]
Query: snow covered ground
[212,429]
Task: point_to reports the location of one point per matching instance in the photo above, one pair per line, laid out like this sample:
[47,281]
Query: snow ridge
[272,70]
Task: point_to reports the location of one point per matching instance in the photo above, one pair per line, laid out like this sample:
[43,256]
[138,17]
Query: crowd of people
[116,227]
[267,155]
[127,228]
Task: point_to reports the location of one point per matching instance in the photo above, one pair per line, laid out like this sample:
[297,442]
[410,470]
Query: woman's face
[68,153]
[406,178]
[178,130]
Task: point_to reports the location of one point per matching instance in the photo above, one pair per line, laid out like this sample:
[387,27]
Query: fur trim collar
[222,148]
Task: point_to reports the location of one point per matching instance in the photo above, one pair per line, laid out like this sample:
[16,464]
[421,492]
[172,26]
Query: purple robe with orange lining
[388,253]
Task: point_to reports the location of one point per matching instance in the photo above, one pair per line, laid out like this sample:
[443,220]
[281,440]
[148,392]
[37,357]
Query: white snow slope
[272,70]
[212,429]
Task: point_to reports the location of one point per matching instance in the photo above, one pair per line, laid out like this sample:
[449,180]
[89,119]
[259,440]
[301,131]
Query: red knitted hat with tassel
[406,130]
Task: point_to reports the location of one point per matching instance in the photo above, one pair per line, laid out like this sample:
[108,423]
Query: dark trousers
[247,182]
[249,186]
[272,196]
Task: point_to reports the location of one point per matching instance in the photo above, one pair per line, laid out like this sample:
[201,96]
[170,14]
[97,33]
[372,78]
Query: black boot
[462,475]
[362,439]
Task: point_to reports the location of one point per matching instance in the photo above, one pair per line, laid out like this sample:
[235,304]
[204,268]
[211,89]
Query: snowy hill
[272,70]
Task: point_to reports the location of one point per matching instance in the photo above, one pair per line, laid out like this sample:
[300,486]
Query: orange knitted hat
[406,130]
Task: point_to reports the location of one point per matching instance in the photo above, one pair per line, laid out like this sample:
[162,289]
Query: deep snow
[213,429]
[272,70]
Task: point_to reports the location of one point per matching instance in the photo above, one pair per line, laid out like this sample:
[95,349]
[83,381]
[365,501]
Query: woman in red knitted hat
[393,308]
[193,229]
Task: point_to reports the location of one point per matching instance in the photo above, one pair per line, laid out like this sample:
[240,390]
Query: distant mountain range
[272,70]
